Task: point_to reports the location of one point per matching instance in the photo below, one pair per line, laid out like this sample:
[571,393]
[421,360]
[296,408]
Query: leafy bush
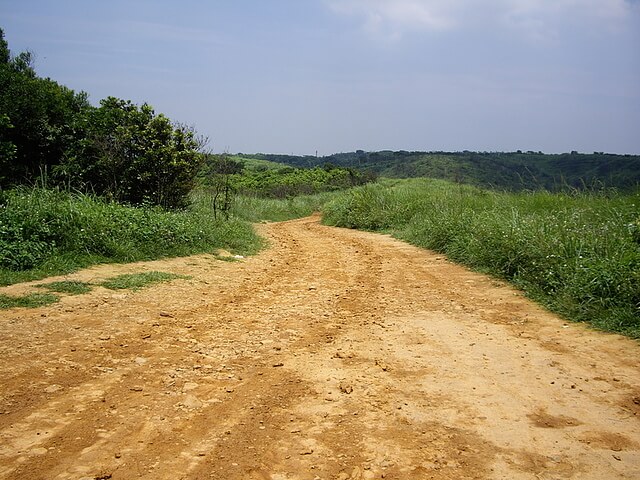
[253,177]
[122,151]
[37,120]
[131,155]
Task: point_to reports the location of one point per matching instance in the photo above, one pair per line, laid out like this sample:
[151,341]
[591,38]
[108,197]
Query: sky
[327,76]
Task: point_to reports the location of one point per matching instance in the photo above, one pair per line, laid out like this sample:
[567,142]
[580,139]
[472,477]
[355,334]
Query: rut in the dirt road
[334,354]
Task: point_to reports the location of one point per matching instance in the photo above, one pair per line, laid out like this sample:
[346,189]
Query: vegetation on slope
[578,254]
[46,232]
[254,177]
[513,171]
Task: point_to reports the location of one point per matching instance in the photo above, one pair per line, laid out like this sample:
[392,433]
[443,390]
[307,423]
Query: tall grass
[255,209]
[47,232]
[578,254]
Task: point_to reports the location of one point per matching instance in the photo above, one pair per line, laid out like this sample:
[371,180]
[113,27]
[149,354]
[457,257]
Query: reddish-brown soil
[334,354]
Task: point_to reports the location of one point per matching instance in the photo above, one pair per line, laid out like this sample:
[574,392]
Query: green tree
[133,155]
[5,54]
[7,148]
[37,119]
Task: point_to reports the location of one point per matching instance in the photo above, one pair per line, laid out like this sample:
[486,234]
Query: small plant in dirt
[136,281]
[71,287]
[32,300]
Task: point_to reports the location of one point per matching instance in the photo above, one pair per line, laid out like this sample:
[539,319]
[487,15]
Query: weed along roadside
[51,232]
[576,254]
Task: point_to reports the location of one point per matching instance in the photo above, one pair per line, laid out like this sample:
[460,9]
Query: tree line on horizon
[512,171]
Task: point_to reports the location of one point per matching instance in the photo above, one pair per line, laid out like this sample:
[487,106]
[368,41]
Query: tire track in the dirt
[304,303]
[334,354]
[217,314]
[320,306]
[457,309]
[357,397]
[33,423]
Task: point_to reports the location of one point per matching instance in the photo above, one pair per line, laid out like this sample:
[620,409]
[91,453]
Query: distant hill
[502,170]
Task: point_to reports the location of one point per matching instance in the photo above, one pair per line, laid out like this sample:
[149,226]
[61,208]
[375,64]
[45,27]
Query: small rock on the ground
[346,388]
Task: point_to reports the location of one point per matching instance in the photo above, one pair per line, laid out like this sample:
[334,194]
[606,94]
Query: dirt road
[334,354]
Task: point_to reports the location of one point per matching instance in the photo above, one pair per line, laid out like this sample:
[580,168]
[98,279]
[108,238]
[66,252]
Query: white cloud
[394,17]
[539,19]
[533,18]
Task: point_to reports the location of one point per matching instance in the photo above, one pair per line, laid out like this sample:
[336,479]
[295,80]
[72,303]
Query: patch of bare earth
[334,354]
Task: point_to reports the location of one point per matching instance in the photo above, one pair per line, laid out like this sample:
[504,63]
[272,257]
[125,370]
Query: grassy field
[578,254]
[254,209]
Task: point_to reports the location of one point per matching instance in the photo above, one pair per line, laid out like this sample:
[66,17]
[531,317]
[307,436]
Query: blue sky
[300,76]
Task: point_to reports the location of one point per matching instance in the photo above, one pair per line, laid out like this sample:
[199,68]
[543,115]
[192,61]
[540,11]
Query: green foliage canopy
[133,155]
[513,171]
[37,119]
[122,151]
[249,176]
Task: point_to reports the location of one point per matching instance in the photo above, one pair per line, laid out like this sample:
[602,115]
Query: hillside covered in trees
[502,170]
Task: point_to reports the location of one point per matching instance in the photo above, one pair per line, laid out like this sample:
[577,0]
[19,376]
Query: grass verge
[257,209]
[32,300]
[578,254]
[48,232]
[136,281]
[132,281]
[70,287]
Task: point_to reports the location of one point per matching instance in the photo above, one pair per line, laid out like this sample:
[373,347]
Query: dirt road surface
[334,354]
